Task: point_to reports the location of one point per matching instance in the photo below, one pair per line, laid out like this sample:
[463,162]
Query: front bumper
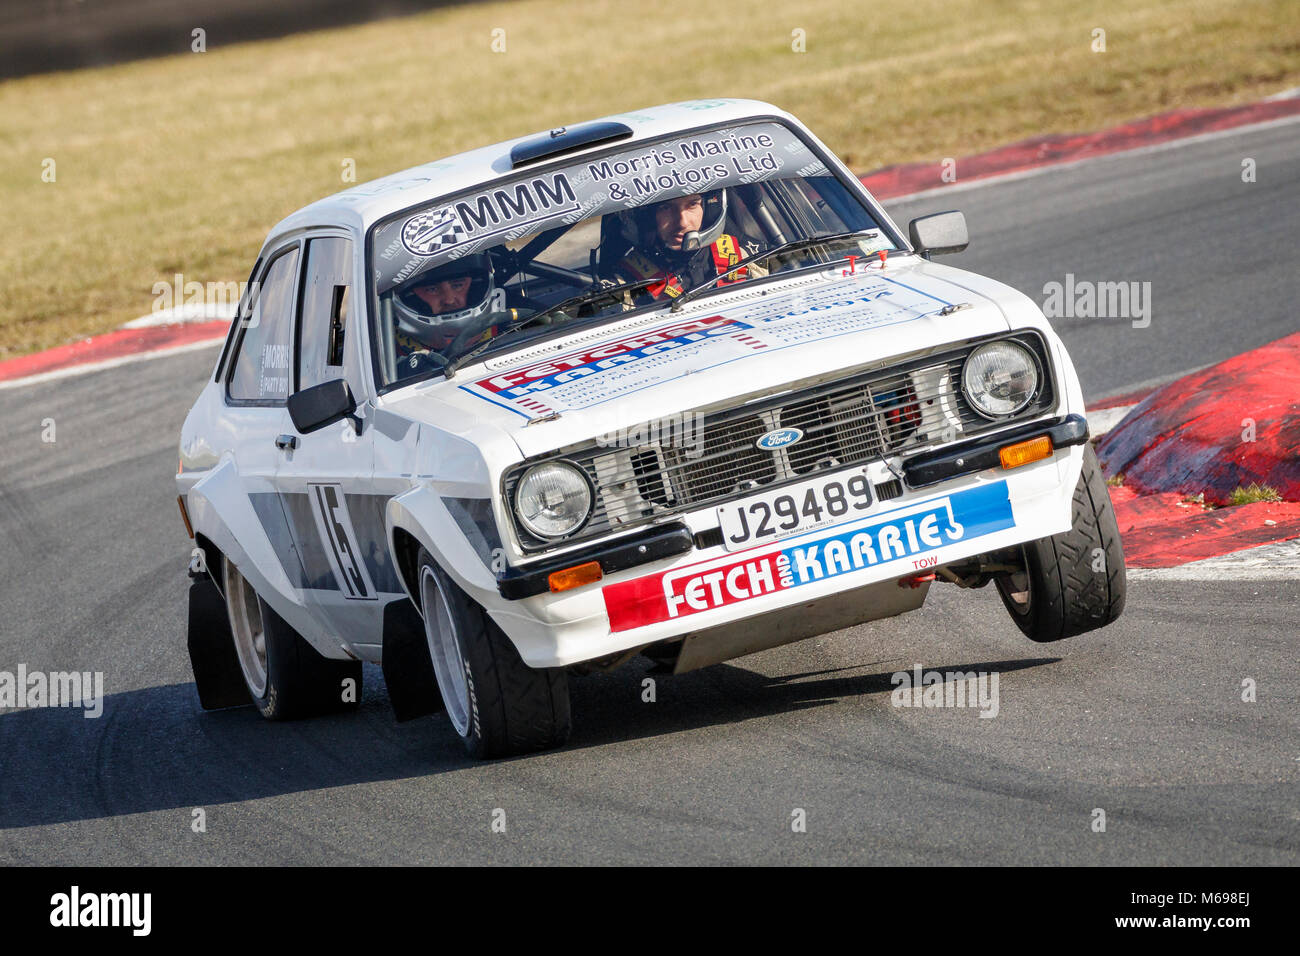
[978,454]
[652,544]
[702,589]
[630,551]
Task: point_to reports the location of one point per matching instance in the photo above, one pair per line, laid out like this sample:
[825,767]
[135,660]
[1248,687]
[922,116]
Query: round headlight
[999,378]
[553,499]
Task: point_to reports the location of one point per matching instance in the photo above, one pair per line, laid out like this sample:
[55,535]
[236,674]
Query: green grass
[1252,493]
[183,164]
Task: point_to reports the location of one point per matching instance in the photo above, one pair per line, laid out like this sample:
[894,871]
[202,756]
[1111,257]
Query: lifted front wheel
[1072,582]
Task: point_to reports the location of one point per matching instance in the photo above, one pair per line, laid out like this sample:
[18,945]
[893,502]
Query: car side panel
[229,462]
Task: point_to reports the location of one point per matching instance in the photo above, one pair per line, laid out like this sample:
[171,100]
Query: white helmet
[417,316]
[714,220]
[637,226]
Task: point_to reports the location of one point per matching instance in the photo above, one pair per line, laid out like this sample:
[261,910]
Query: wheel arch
[419,519]
[212,559]
[226,523]
[405,548]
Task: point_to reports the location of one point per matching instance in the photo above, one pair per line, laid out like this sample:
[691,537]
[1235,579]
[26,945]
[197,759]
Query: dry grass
[182,164]
[1252,493]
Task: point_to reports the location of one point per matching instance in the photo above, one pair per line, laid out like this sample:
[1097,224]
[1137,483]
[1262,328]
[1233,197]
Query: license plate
[794,509]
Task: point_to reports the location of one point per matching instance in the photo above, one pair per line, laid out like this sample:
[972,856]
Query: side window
[261,364]
[323,319]
[250,289]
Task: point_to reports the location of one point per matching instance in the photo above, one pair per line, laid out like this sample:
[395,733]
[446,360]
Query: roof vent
[567,139]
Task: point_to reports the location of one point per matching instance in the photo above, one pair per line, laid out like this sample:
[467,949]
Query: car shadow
[156,749]
[611,708]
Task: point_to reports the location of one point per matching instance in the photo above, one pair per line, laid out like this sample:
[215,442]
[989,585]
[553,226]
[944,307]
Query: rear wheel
[286,677]
[497,704]
[1072,582]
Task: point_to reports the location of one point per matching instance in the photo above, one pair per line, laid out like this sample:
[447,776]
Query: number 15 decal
[335,526]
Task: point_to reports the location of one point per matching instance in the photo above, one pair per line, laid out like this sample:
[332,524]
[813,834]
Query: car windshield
[525,257]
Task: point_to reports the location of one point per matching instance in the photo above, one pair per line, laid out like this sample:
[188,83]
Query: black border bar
[976,455]
[653,545]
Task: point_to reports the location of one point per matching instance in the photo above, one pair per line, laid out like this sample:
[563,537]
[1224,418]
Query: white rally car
[669,383]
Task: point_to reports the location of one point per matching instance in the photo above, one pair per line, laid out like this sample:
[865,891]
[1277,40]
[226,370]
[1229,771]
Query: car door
[335,516]
[255,426]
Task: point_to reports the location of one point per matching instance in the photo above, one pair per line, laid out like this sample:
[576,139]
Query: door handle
[286,442]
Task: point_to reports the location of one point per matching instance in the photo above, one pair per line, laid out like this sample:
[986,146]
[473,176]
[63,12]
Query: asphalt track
[1143,720]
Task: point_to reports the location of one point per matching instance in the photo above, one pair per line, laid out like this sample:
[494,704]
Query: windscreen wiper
[792,246]
[582,298]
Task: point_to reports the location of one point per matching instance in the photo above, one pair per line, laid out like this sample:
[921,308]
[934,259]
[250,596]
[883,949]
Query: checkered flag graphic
[432,232]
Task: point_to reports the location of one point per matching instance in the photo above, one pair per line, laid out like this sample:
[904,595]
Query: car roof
[363,205]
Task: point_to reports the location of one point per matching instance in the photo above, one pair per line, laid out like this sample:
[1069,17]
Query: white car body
[325,531]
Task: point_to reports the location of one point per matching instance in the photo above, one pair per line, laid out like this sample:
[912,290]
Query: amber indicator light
[576,576]
[1025,452]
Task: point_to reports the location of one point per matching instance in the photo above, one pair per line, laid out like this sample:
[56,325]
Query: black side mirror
[314,408]
[939,234]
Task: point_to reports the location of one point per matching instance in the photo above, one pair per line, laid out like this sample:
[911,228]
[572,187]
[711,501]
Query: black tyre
[286,677]
[497,704]
[1072,582]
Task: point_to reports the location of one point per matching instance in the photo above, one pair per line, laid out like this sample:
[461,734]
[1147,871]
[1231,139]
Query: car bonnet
[751,342]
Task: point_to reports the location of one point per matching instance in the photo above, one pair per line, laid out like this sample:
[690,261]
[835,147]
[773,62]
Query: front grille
[728,460]
[709,458]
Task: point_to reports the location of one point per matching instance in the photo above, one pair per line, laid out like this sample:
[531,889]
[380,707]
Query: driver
[435,307]
[682,242]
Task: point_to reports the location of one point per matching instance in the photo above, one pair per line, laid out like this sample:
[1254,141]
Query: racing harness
[725,252]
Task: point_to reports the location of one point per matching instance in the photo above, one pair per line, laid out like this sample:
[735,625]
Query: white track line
[960,186]
[72,370]
[182,315]
[1104,419]
[1267,562]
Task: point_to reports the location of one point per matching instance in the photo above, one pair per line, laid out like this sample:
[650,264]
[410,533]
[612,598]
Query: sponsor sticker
[591,361]
[334,524]
[647,172]
[871,542]
[597,374]
[492,213]
[429,232]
